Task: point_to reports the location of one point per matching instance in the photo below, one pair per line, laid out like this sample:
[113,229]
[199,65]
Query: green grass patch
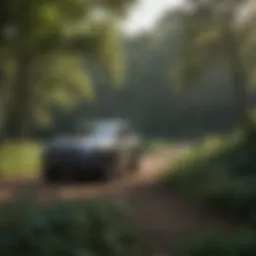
[20,159]
[156,145]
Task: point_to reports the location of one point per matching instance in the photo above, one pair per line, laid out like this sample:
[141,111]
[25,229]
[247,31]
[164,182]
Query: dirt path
[150,166]
[165,219]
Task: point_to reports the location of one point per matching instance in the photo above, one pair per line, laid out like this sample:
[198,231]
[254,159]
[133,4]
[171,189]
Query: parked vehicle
[107,149]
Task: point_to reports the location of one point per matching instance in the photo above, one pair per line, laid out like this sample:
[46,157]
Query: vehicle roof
[114,121]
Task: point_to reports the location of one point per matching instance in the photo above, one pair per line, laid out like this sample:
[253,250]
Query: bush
[214,244]
[222,176]
[96,228]
[156,145]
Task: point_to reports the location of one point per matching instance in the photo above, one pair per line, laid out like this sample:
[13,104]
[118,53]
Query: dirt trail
[150,166]
[165,219]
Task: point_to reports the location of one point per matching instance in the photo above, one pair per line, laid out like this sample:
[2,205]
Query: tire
[50,177]
[108,174]
[112,171]
[134,165]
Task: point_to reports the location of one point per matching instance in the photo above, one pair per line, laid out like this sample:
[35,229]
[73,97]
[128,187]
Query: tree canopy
[216,31]
[152,100]
[49,44]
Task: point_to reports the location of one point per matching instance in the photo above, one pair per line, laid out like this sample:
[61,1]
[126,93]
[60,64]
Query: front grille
[73,158]
[64,155]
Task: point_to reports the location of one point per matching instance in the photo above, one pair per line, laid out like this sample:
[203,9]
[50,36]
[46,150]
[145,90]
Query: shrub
[96,228]
[216,244]
[222,176]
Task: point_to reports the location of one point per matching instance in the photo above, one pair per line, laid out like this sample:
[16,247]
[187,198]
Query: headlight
[107,145]
[104,144]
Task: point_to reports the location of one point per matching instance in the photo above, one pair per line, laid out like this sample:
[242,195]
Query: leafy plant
[67,228]
[212,244]
[222,177]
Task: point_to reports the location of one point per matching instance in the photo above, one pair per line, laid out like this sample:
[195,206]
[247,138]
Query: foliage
[212,35]
[156,145]
[64,84]
[221,177]
[212,244]
[220,174]
[84,30]
[210,28]
[71,228]
[150,99]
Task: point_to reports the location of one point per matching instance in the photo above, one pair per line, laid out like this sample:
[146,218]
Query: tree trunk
[4,99]
[21,105]
[238,74]
[240,84]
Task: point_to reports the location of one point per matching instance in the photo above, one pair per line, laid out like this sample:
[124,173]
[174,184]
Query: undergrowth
[221,175]
[209,243]
[95,228]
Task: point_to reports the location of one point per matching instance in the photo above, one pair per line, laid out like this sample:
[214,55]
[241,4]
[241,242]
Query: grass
[156,145]
[20,159]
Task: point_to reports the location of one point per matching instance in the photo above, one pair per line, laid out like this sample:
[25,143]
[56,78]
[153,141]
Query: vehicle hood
[89,143]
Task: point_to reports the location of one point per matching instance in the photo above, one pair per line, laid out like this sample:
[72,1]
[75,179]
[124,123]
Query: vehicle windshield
[103,130]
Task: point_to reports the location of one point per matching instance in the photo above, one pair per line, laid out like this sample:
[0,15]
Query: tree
[5,35]
[54,29]
[148,98]
[216,31]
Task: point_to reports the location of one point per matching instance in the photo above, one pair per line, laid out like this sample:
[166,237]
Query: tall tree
[150,100]
[215,31]
[5,34]
[83,29]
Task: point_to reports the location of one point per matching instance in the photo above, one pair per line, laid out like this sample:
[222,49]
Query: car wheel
[109,173]
[134,164]
[81,176]
[50,177]
[112,171]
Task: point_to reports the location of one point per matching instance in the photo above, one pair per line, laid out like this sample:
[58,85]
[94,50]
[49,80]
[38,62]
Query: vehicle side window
[126,131]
